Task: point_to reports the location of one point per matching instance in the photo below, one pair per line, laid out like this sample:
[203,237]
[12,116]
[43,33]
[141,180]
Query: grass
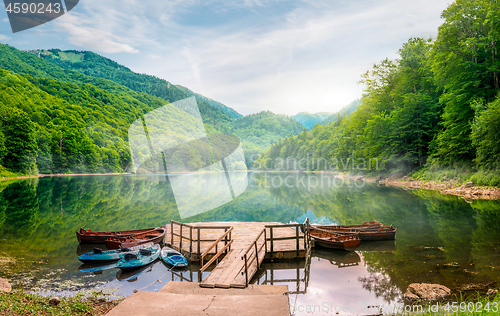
[19,303]
[5,173]
[460,172]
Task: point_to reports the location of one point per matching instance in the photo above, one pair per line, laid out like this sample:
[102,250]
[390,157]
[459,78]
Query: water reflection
[441,239]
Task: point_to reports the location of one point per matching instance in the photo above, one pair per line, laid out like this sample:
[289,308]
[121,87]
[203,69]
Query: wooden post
[246,271]
[180,241]
[190,240]
[216,252]
[265,239]
[272,244]
[297,238]
[199,246]
[257,255]
[172,233]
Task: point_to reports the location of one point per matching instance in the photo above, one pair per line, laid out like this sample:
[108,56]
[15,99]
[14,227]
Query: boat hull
[109,255]
[375,233]
[125,242]
[87,236]
[173,258]
[328,239]
[141,260]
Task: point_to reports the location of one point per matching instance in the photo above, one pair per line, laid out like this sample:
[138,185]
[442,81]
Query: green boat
[141,258]
[110,255]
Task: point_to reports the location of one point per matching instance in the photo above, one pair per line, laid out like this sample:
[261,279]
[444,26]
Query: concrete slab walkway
[184,298]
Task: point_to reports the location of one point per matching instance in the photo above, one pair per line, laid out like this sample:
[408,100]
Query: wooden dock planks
[230,270]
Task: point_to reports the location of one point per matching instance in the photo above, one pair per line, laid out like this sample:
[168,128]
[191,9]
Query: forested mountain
[434,107]
[59,120]
[262,129]
[229,111]
[309,119]
[345,111]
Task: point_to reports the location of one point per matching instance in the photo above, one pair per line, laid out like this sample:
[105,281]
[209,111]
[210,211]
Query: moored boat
[332,240]
[173,258]
[136,260]
[154,236]
[89,236]
[97,266]
[109,255]
[366,233]
[366,225]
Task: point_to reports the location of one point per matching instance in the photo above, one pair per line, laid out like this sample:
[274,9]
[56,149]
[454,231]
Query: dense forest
[68,112]
[433,111]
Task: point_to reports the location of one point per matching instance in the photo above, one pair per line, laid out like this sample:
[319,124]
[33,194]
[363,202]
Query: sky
[286,56]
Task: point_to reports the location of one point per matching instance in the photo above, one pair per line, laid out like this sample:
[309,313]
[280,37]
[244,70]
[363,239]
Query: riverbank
[24,303]
[468,191]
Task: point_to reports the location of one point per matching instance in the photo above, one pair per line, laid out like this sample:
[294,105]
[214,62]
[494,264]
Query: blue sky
[252,55]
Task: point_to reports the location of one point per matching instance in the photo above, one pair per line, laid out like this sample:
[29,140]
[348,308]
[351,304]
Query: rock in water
[491,292]
[426,291]
[5,286]
[54,301]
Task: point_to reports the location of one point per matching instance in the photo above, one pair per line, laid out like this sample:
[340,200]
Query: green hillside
[57,120]
[309,119]
[345,111]
[434,111]
[229,111]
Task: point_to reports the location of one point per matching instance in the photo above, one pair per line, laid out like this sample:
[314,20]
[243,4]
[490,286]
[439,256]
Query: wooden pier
[237,248]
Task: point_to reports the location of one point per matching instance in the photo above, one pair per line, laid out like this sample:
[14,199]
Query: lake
[440,239]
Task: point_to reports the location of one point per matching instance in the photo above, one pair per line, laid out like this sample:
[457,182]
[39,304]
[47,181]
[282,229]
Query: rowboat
[89,236]
[154,236]
[139,259]
[109,255]
[366,225]
[366,233]
[332,240]
[173,258]
[97,266]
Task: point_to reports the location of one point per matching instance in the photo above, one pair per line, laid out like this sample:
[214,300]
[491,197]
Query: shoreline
[467,191]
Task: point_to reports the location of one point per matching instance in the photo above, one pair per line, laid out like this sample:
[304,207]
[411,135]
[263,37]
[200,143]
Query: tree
[20,140]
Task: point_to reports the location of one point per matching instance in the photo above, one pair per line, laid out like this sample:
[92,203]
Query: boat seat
[97,250]
[124,249]
[130,256]
[145,252]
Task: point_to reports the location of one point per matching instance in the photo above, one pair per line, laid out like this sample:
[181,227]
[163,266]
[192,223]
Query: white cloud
[252,55]
[3,37]
[91,38]
[5,19]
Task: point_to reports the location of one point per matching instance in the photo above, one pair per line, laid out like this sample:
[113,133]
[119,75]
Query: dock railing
[218,253]
[305,227]
[192,234]
[252,254]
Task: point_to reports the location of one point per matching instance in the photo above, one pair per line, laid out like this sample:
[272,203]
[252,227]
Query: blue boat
[173,258]
[141,258]
[96,266]
[110,255]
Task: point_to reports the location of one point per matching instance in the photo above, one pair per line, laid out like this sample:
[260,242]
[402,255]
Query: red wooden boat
[365,233]
[91,237]
[366,225]
[155,236]
[329,239]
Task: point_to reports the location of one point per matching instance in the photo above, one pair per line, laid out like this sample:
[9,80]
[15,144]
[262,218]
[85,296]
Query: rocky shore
[468,191]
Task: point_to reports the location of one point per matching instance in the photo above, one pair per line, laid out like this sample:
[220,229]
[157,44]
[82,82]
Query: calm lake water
[440,239]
